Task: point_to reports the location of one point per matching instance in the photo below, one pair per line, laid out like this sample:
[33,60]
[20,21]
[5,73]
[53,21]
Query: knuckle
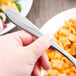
[42,45]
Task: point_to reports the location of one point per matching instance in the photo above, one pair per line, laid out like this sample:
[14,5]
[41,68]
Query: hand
[21,54]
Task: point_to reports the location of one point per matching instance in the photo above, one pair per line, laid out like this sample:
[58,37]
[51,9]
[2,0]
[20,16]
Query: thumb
[38,47]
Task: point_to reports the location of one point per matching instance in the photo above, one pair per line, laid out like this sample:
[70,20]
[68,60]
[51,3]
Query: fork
[28,26]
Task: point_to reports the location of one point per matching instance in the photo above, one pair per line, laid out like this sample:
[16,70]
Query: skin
[22,54]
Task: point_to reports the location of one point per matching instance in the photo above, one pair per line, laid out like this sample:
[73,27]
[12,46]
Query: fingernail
[38,73]
[48,66]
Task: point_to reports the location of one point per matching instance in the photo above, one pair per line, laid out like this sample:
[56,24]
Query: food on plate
[10,5]
[2,20]
[65,38]
[13,4]
[5,1]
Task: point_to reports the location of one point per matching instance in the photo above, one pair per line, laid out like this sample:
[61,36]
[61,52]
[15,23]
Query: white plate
[57,21]
[26,6]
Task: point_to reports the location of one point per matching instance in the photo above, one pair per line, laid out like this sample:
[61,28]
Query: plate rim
[67,10]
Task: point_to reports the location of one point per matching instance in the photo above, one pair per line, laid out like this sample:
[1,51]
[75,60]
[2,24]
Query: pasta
[65,38]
